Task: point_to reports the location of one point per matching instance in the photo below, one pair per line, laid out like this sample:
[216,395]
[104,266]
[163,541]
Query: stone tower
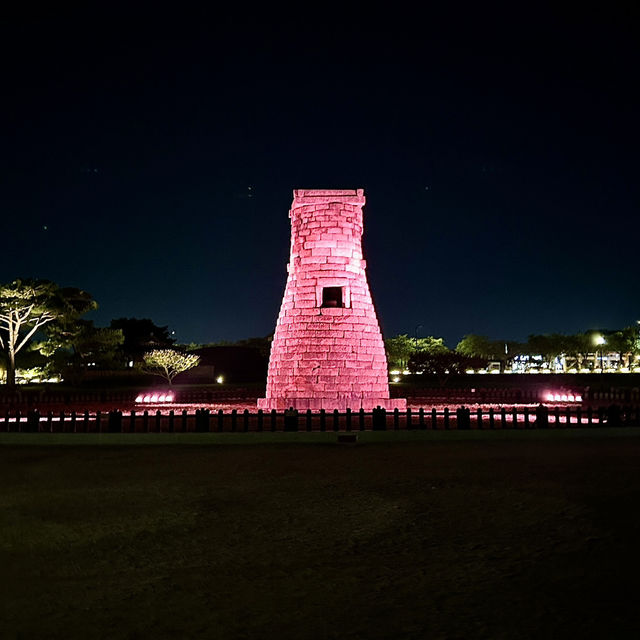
[327,351]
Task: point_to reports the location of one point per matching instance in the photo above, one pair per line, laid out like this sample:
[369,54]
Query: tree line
[43,332]
[553,351]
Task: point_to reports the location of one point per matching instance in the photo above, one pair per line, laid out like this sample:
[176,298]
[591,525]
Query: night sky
[150,159]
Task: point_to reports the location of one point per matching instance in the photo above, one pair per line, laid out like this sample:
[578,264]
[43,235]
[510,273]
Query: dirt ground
[494,535]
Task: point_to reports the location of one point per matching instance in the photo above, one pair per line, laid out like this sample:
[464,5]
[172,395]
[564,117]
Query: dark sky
[498,153]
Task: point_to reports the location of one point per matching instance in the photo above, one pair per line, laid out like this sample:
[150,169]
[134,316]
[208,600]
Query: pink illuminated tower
[327,351]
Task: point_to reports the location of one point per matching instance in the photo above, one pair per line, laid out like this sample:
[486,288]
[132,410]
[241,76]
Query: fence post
[145,421]
[568,417]
[409,424]
[85,422]
[114,422]
[492,420]
[503,418]
[158,418]
[589,417]
[514,418]
[347,417]
[421,418]
[542,417]
[33,421]
[291,419]
[323,418]
[171,419]
[73,421]
[61,417]
[434,418]
[479,424]
[614,416]
[18,424]
[274,417]
[556,417]
[220,425]
[379,419]
[245,420]
[50,421]
[234,420]
[6,420]
[463,418]
[260,419]
[396,419]
[309,418]
[446,417]
[361,419]
[336,420]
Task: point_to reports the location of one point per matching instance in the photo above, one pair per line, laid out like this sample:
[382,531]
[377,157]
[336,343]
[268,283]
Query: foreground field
[428,535]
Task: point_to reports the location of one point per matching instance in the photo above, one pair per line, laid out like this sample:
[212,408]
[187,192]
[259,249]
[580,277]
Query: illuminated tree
[26,307]
[399,350]
[429,344]
[168,363]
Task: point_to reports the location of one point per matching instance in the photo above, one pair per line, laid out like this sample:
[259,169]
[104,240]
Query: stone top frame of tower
[327,350]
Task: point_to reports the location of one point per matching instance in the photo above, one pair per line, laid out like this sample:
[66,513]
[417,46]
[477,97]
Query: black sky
[498,153]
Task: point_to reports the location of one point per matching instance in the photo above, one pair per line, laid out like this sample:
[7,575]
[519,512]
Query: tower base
[331,404]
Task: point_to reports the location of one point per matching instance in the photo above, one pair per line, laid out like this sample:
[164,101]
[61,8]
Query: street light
[415,333]
[599,340]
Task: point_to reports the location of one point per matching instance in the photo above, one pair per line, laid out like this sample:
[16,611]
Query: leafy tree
[27,306]
[73,348]
[578,347]
[399,349]
[140,336]
[168,363]
[484,349]
[549,346]
[442,363]
[622,342]
[429,344]
[479,347]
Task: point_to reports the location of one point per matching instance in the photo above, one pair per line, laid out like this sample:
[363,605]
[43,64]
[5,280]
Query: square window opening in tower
[333,297]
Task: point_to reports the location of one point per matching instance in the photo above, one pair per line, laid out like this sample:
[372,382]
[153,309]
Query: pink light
[139,399]
[162,397]
[571,397]
[557,397]
[578,398]
[147,398]
[154,397]
[564,397]
[550,397]
[169,397]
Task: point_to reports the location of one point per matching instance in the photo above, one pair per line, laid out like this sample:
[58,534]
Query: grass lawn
[406,535]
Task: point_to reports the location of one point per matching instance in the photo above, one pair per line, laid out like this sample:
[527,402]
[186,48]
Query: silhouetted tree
[140,336]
